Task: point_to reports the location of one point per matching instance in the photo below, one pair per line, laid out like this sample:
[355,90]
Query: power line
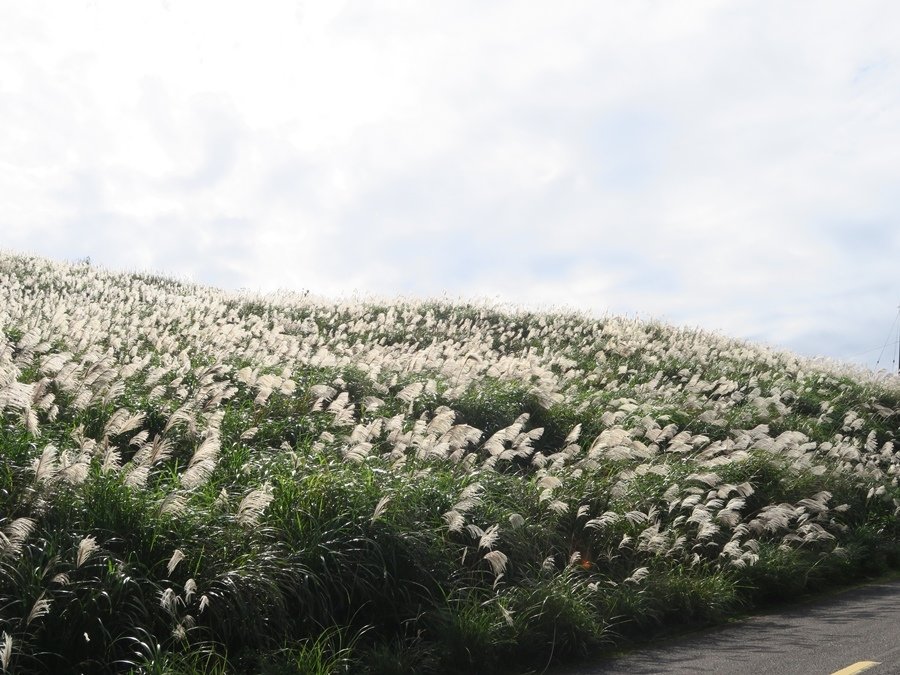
[890,334]
[868,351]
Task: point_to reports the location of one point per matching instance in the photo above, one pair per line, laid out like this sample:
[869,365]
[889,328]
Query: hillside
[200,481]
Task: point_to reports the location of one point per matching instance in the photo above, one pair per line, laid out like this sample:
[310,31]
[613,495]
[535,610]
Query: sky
[727,165]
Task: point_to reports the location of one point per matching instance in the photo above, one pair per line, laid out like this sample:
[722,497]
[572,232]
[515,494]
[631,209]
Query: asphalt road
[843,633]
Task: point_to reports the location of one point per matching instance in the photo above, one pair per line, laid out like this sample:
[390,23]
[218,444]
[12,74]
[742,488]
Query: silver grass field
[193,480]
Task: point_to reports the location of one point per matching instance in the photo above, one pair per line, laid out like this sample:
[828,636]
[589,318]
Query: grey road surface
[838,633]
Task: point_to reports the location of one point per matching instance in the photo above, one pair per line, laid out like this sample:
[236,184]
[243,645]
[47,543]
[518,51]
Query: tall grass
[198,481]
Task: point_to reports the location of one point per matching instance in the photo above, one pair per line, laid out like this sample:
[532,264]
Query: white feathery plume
[732,549]
[636,517]
[288,386]
[497,561]
[136,476]
[253,504]
[113,391]
[82,399]
[358,452]
[638,575]
[46,404]
[132,422]
[173,504]
[380,507]
[489,537]
[117,421]
[442,422]
[14,536]
[469,498]
[31,421]
[62,579]
[372,403]
[341,402]
[74,470]
[455,520]
[177,557]
[112,460]
[53,363]
[871,444]
[558,507]
[549,482]
[47,466]
[6,653]
[516,520]
[184,415]
[411,392]
[222,499]
[343,410]
[68,377]
[608,518]
[573,435]
[246,376]
[322,394]
[41,607]
[461,435]
[159,451]
[472,491]
[710,479]
[707,530]
[86,548]
[17,396]
[203,461]
[266,384]
[729,517]
[169,600]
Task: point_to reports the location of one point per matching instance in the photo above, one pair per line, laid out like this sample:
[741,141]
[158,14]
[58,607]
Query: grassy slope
[197,481]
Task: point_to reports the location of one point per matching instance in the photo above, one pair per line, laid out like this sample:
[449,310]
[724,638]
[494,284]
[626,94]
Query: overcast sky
[728,165]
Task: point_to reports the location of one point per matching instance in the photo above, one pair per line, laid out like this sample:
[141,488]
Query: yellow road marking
[856,668]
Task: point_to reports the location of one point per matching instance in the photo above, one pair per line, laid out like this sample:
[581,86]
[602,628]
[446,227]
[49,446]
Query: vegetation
[198,481]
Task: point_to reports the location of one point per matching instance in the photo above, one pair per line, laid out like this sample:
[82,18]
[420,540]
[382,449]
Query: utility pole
[896,324]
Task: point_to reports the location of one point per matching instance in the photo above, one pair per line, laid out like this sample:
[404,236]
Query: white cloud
[729,166]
